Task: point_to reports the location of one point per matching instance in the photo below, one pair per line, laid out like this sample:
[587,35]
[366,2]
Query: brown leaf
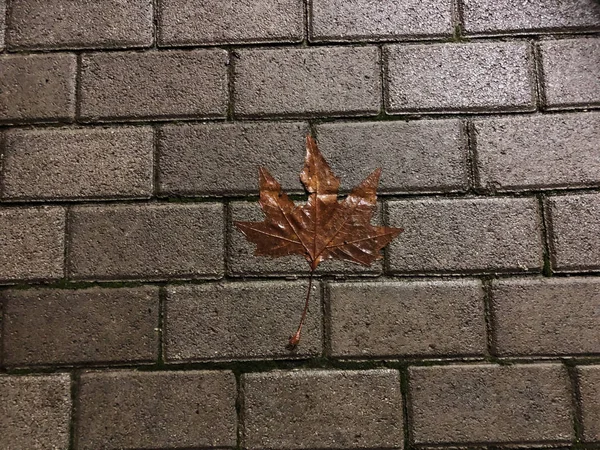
[323,228]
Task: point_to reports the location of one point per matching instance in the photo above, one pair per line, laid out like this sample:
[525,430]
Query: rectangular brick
[242,262]
[59,24]
[473,77]
[183,409]
[196,22]
[35,411]
[53,326]
[364,20]
[240,321]
[466,235]
[299,81]
[223,159]
[466,404]
[416,156]
[32,242]
[78,163]
[589,388]
[538,152]
[574,239]
[491,17]
[153,241]
[414,318]
[546,316]
[570,76]
[37,87]
[310,409]
[154,85]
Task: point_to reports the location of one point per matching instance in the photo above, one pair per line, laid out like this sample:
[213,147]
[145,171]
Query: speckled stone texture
[154,85]
[223,159]
[538,152]
[56,327]
[318,409]
[37,87]
[368,20]
[298,81]
[192,22]
[240,320]
[52,24]
[146,242]
[589,387]
[407,318]
[78,163]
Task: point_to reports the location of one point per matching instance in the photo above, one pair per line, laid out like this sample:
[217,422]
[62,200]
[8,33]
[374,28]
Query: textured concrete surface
[241,260]
[366,20]
[299,81]
[131,133]
[51,326]
[473,235]
[42,24]
[421,156]
[37,87]
[149,241]
[78,163]
[32,242]
[490,403]
[193,22]
[128,409]
[538,152]
[492,17]
[439,77]
[413,318]
[546,316]
[240,320]
[153,85]
[570,69]
[574,232]
[35,411]
[222,159]
[318,409]
[589,387]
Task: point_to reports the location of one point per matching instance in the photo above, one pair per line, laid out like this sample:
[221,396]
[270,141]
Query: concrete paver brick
[492,17]
[365,20]
[32,242]
[319,409]
[154,85]
[196,22]
[471,77]
[153,241]
[78,163]
[53,326]
[407,318]
[570,73]
[417,156]
[538,152]
[546,316]
[37,87]
[307,81]
[60,24]
[575,243]
[35,411]
[489,403]
[181,409]
[471,234]
[240,321]
[222,159]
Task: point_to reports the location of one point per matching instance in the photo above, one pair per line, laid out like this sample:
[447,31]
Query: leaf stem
[295,339]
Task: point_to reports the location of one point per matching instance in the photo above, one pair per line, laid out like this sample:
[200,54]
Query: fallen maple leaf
[323,228]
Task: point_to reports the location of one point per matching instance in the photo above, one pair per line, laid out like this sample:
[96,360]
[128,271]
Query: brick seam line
[231,57]
[316,119]
[539,76]
[458,20]
[75,375]
[156,139]
[2,163]
[489,318]
[548,250]
[467,132]
[161,325]
[303,44]
[577,411]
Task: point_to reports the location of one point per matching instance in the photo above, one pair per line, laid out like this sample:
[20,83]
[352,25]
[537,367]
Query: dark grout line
[578,423]
[488,312]
[75,377]
[546,238]
[406,407]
